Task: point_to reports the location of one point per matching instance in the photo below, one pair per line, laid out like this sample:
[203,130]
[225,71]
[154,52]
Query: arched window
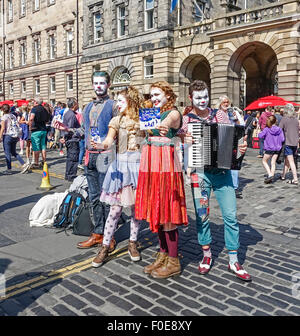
[121,76]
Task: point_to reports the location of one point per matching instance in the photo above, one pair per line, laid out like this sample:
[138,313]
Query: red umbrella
[268,101]
[8,102]
[21,102]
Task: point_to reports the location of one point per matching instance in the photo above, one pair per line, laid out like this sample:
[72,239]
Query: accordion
[215,145]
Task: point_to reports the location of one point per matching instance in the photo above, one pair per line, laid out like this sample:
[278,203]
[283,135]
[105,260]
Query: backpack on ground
[82,223]
[14,129]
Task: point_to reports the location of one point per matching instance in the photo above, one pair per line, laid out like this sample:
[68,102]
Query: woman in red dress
[160,197]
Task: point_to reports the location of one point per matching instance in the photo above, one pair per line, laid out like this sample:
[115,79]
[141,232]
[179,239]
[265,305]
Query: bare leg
[265,163]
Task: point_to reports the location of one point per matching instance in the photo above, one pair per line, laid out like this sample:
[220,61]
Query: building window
[199,10]
[121,21]
[36,47]
[37,86]
[22,7]
[52,85]
[36,5]
[51,46]
[121,76]
[11,88]
[149,17]
[97,26]
[148,67]
[52,102]
[10,10]
[10,58]
[69,42]
[23,86]
[69,82]
[23,54]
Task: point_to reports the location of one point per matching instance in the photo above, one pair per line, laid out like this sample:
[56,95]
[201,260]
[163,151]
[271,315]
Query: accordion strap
[211,116]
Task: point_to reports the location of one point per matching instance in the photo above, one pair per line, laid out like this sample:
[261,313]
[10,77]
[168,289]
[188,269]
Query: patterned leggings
[112,221]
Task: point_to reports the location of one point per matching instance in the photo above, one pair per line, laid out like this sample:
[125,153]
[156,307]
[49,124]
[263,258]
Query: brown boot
[101,256]
[161,256]
[170,267]
[95,239]
[133,251]
[112,245]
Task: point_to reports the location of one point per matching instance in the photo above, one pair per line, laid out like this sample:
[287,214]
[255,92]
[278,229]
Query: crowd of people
[126,166]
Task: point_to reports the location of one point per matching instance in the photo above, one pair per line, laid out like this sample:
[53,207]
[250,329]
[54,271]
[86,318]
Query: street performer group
[130,164]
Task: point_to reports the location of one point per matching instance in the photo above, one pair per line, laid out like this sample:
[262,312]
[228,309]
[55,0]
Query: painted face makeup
[100,86]
[200,99]
[158,97]
[121,103]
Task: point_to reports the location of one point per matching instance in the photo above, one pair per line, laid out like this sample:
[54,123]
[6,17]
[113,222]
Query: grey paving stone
[80,280]
[91,312]
[71,286]
[287,298]
[114,288]
[146,292]
[193,304]
[93,299]
[120,303]
[260,313]
[102,292]
[171,305]
[41,311]
[282,313]
[139,312]
[210,312]
[74,301]
[139,301]
[205,300]
[159,311]
[62,310]
[185,291]
[240,305]
[162,290]
[187,312]
[243,289]
[11,307]
[258,304]
[272,301]
[125,282]
[208,291]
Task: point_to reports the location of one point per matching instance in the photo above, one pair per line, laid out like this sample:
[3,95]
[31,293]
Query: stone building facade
[40,49]
[243,48]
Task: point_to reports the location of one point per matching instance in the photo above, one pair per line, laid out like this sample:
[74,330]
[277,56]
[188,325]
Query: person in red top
[262,122]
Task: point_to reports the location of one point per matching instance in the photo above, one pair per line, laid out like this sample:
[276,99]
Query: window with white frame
[148,67]
[37,85]
[52,84]
[23,54]
[69,42]
[10,10]
[121,20]
[149,14]
[52,102]
[97,27]
[36,5]
[69,82]
[22,7]
[36,46]
[51,46]
[23,86]
[11,88]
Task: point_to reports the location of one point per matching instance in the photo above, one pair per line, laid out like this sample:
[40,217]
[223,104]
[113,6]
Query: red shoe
[205,265]
[238,270]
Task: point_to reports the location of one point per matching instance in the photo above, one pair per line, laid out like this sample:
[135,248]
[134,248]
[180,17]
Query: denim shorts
[270,152]
[290,150]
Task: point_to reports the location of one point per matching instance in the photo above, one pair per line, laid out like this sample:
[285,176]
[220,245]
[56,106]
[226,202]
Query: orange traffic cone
[45,185]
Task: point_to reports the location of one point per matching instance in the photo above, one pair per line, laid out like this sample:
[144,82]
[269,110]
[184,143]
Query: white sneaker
[25,168]
[21,152]
[80,166]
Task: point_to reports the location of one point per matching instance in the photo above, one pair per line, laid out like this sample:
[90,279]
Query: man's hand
[60,126]
[243,147]
[188,139]
[98,146]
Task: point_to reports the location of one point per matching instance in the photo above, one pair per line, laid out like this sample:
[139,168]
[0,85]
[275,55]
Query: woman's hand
[163,129]
[60,126]
[97,146]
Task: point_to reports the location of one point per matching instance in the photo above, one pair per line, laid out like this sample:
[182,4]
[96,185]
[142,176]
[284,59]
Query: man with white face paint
[218,180]
[96,117]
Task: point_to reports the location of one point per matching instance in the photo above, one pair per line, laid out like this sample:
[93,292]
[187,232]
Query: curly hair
[134,102]
[167,89]
[197,85]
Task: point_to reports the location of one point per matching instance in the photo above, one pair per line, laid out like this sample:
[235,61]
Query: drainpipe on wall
[77,51]
[3,48]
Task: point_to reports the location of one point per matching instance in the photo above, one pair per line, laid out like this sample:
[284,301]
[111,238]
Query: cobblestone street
[270,250]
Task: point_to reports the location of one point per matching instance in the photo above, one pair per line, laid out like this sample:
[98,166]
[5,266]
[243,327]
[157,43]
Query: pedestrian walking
[9,134]
[290,125]
[160,195]
[120,183]
[218,180]
[39,116]
[26,136]
[71,139]
[262,122]
[273,139]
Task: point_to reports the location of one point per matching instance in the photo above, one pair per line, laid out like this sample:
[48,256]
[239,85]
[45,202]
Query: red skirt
[160,196]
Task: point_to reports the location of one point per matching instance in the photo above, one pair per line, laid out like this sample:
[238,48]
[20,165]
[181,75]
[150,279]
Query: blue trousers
[220,181]
[81,151]
[95,173]
[9,146]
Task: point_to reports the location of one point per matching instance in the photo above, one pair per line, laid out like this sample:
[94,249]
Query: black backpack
[68,210]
